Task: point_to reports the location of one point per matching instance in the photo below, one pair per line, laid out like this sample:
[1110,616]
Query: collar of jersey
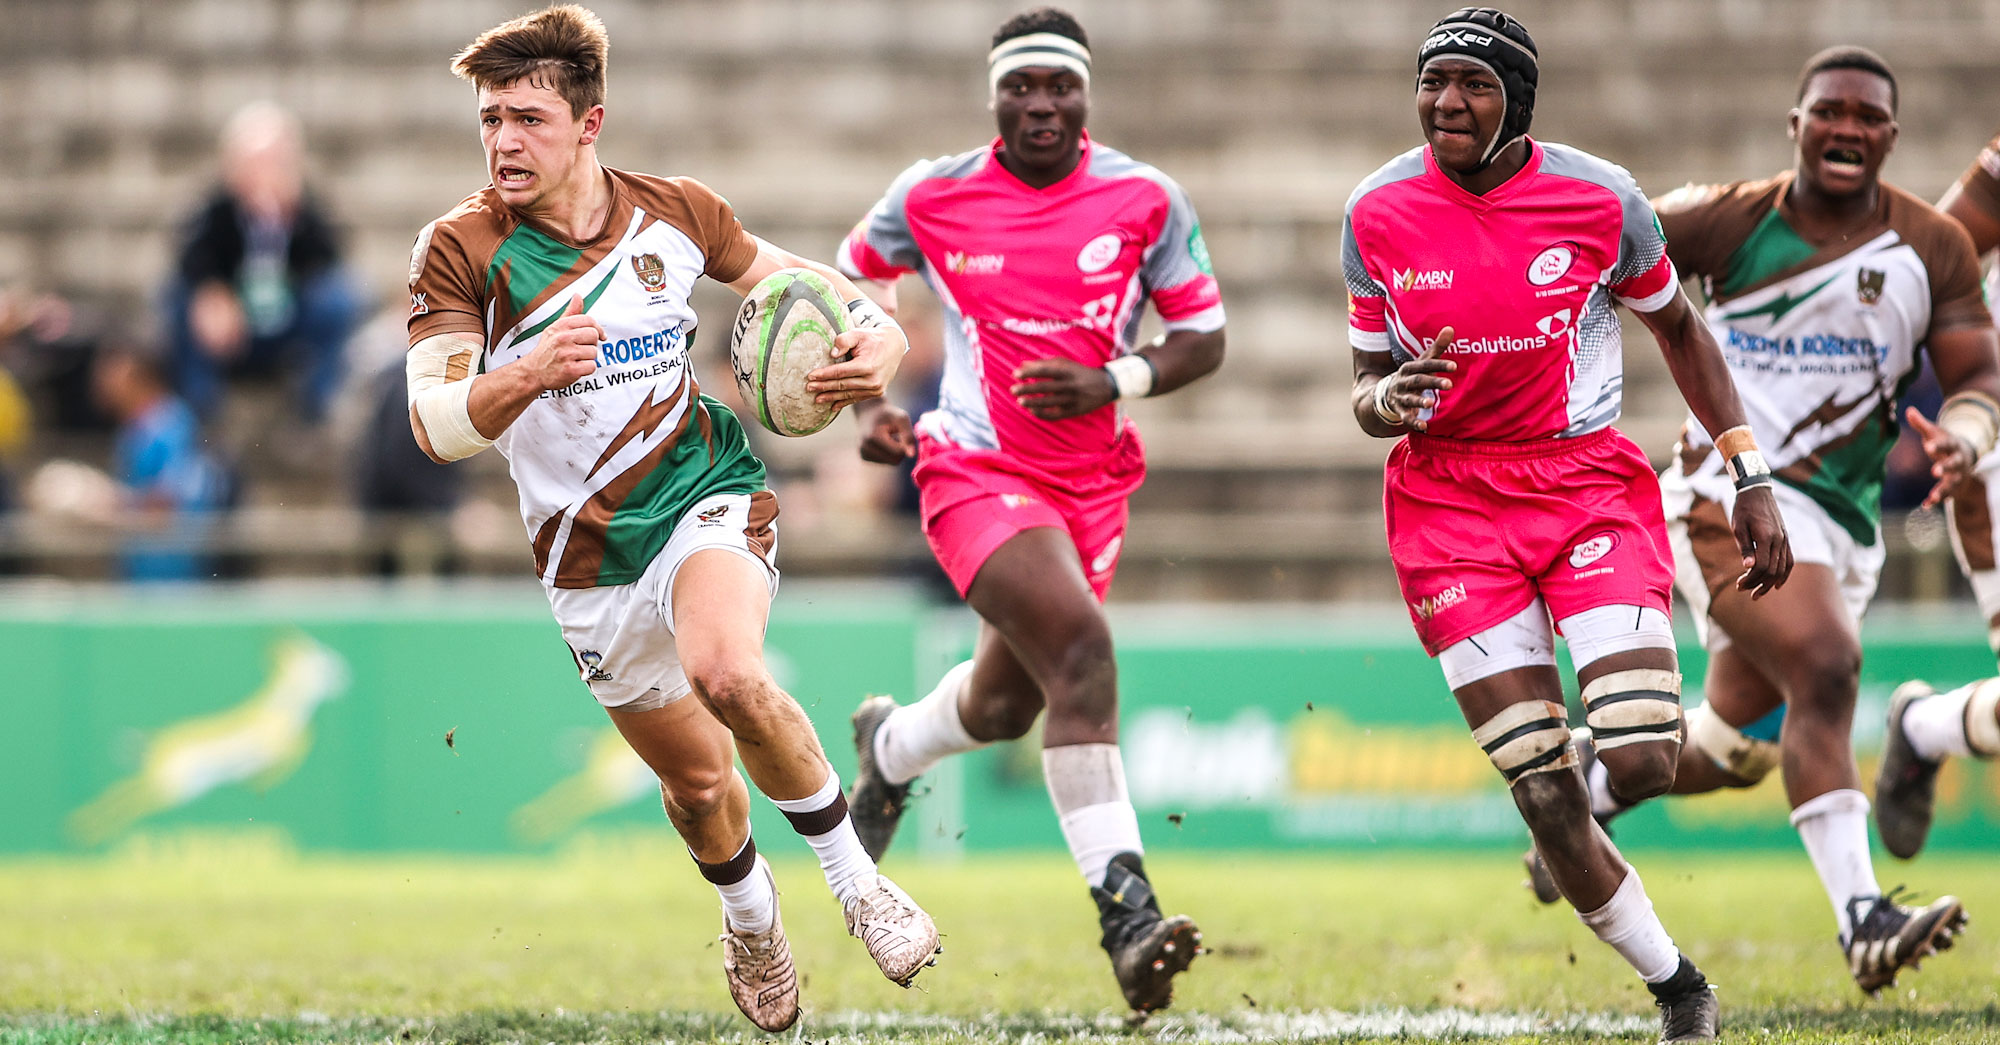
[1501,193]
[610,216]
[1082,166]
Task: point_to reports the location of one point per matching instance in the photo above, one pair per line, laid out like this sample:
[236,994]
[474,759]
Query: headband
[1051,50]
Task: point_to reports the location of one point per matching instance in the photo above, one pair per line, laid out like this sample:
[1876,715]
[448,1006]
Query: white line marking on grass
[1315,1025]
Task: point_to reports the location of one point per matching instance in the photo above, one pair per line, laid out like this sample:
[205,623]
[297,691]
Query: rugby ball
[783,332]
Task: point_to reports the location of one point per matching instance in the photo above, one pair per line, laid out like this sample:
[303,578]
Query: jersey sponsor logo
[1487,346]
[1431,605]
[639,349]
[1777,308]
[420,304]
[1016,500]
[1198,250]
[1098,254]
[1828,354]
[1100,312]
[1593,549]
[421,252]
[1868,285]
[963,264]
[711,516]
[652,272]
[1554,324]
[1552,264]
[1409,280]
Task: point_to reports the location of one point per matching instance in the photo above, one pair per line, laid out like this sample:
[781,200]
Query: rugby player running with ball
[1824,284]
[549,317]
[1043,247]
[1481,270]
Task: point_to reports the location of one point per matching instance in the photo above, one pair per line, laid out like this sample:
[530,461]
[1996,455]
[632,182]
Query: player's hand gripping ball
[783,332]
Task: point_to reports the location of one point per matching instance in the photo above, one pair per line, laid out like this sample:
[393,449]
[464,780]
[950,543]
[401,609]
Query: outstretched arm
[1703,378]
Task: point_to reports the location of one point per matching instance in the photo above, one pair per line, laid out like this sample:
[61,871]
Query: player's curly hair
[1041,20]
[565,43]
[1848,57]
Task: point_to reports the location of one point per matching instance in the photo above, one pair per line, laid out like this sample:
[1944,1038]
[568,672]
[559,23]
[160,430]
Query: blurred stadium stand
[1268,111]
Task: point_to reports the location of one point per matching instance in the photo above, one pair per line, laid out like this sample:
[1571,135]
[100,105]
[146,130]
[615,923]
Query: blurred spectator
[409,495]
[259,286]
[170,485]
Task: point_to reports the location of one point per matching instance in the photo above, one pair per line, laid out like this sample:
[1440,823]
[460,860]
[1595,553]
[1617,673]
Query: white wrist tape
[1133,376]
[438,370]
[1382,401]
[863,313]
[1973,417]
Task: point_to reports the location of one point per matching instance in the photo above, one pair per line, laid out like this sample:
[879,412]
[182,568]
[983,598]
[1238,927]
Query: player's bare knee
[1083,675]
[1003,716]
[1553,805]
[1635,726]
[694,793]
[734,690]
[1823,680]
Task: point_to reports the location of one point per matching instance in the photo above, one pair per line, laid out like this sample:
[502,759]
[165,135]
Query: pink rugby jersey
[1524,275]
[1026,274]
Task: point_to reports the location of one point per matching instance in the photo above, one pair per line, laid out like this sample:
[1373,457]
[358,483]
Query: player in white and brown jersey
[1826,289]
[549,316]
[1926,727]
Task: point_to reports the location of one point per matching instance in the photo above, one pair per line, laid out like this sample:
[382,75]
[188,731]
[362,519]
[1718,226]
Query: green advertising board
[453,720]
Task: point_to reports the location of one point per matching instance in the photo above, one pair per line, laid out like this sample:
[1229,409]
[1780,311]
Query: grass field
[232,940]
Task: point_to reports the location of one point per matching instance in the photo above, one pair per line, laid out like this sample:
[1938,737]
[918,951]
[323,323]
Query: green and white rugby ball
[783,332]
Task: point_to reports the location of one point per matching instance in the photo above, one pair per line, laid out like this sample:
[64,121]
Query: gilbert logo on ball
[783,332]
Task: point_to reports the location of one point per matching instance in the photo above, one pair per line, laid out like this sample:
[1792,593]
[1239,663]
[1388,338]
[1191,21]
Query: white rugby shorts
[1706,557]
[622,635]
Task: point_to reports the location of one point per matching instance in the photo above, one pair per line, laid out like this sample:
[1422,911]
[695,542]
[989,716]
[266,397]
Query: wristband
[1132,376]
[1382,401]
[1748,469]
[1973,417]
[864,314]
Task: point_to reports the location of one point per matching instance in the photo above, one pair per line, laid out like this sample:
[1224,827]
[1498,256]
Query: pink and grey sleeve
[1177,272]
[881,247]
[1367,300]
[1643,279]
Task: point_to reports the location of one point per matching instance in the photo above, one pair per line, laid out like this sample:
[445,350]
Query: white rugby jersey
[608,465]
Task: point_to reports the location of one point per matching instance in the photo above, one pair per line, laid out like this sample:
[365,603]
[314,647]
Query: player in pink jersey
[1042,247]
[1481,272]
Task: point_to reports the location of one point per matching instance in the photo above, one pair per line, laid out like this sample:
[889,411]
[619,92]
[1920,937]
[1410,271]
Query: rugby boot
[1688,1009]
[1540,882]
[898,934]
[1906,785]
[759,968]
[1888,936]
[874,804]
[1147,949]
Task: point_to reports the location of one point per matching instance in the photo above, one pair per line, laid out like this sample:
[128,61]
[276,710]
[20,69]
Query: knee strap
[1529,737]
[1636,706]
[1982,729]
[1744,757]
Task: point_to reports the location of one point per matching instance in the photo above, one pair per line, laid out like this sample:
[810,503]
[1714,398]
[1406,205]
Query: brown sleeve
[447,283]
[1981,182]
[723,240]
[1956,298]
[1683,214]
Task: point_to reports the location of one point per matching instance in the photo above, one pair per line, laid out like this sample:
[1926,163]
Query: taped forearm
[440,388]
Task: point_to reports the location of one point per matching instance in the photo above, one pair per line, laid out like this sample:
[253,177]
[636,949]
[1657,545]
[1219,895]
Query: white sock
[1834,828]
[822,818]
[1935,725]
[916,736]
[1087,787]
[1628,924]
[749,903]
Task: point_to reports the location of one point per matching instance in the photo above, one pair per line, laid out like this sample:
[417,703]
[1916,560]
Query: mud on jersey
[1821,339]
[608,465]
[1025,274]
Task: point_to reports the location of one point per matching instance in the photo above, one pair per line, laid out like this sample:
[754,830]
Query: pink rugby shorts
[1478,529]
[973,501]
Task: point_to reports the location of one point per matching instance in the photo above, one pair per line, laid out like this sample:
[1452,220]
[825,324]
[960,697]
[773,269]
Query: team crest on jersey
[711,516]
[1099,253]
[652,272]
[1553,263]
[1593,549]
[1868,284]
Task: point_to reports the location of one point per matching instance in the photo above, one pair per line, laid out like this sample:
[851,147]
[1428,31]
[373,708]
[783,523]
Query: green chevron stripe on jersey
[1771,248]
[712,457]
[588,300]
[533,262]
